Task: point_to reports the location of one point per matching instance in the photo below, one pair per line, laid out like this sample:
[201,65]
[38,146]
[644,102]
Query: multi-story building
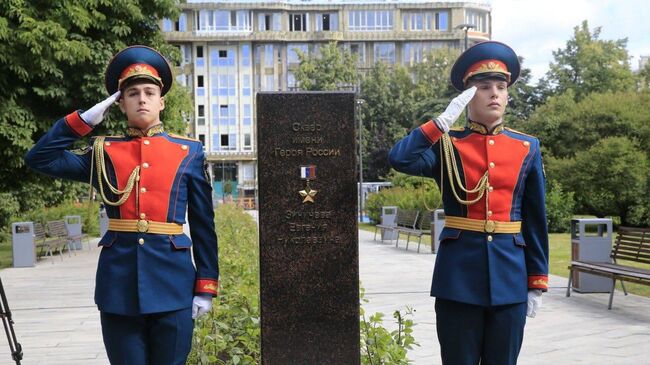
[232,49]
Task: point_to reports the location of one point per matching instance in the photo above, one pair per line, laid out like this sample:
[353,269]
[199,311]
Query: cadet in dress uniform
[147,289]
[492,265]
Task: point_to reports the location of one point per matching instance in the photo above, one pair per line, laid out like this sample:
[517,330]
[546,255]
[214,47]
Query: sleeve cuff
[206,286]
[78,126]
[431,130]
[538,282]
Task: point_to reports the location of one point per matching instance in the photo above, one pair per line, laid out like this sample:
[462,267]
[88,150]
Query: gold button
[489,213]
[143,216]
[489,238]
[491,142]
[107,143]
[491,188]
[146,141]
[141,241]
[184,147]
[526,143]
[491,165]
[143,190]
[145,165]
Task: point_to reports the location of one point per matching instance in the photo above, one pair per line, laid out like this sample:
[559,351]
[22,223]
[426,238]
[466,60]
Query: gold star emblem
[308,194]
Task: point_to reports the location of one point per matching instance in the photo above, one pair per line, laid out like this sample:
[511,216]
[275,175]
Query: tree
[52,61]
[588,64]
[387,115]
[609,178]
[433,91]
[331,69]
[565,126]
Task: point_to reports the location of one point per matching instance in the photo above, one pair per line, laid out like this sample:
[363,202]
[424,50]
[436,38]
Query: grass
[560,257]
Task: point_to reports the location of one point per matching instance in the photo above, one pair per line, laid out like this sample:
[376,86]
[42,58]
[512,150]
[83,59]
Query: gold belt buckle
[143,226]
[490,226]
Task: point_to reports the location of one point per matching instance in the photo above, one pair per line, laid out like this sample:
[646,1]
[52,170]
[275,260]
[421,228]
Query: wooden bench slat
[614,269]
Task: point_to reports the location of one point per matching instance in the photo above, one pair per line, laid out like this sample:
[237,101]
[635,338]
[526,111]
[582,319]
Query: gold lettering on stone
[310,151]
[305,127]
[288,152]
[307,140]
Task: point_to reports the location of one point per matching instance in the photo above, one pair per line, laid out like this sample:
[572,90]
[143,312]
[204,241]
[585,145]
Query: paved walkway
[574,330]
[57,322]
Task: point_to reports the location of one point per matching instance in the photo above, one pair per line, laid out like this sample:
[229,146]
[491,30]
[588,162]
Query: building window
[166,25]
[181,24]
[224,143]
[246,55]
[477,18]
[327,22]
[232,140]
[246,89]
[232,114]
[247,141]
[268,55]
[370,20]
[200,89]
[360,50]
[291,81]
[385,51]
[293,49]
[200,120]
[298,22]
[441,20]
[199,56]
[247,115]
[223,53]
[202,139]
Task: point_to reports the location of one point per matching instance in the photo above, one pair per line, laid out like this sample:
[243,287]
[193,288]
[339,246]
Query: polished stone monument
[309,257]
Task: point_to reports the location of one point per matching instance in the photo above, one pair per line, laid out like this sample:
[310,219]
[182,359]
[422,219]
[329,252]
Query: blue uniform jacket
[477,267]
[140,273]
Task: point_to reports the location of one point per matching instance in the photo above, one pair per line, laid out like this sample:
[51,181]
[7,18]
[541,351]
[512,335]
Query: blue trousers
[470,333]
[148,339]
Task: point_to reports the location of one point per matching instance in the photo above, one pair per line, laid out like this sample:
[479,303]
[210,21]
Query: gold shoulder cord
[448,156]
[98,157]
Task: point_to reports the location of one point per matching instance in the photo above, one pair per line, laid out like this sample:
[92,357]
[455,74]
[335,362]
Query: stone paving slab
[57,322]
[574,330]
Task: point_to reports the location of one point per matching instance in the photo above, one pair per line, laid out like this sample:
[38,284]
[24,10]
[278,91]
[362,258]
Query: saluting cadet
[147,289]
[492,265]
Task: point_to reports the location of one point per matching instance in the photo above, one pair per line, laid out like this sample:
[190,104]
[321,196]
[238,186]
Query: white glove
[534,302]
[201,306]
[94,115]
[455,109]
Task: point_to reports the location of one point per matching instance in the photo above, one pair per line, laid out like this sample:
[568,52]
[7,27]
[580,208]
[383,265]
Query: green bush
[420,198]
[230,334]
[382,347]
[559,208]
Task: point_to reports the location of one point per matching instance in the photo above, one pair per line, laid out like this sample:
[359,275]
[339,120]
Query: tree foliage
[590,65]
[330,69]
[52,61]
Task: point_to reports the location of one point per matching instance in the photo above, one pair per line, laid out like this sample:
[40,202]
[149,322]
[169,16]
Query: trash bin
[591,240]
[389,219]
[436,229]
[103,220]
[22,239]
[73,225]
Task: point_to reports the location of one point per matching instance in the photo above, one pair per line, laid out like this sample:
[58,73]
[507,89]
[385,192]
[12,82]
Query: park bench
[58,232]
[405,218]
[40,238]
[423,227]
[631,245]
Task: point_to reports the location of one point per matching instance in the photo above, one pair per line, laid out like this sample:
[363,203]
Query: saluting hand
[455,109]
[96,114]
